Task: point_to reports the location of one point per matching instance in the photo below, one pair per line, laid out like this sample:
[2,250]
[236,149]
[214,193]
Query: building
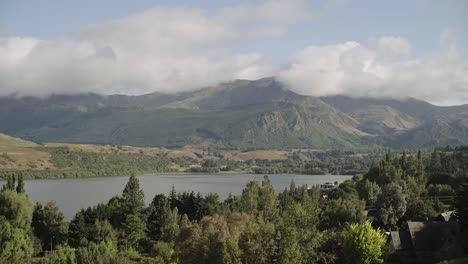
[328,186]
[426,242]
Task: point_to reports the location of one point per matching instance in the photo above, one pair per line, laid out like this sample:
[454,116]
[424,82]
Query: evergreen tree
[49,225]
[173,201]
[133,196]
[134,230]
[20,187]
[250,198]
[10,184]
[158,213]
[268,200]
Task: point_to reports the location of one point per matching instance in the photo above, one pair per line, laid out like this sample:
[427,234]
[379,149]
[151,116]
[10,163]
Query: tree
[386,172]
[369,191]
[461,206]
[102,231]
[391,204]
[342,212]
[300,238]
[268,200]
[346,190]
[10,184]
[164,251]
[102,253]
[49,225]
[290,251]
[135,231]
[250,197]
[364,245]
[20,187]
[230,252]
[78,231]
[133,196]
[63,255]
[17,208]
[257,242]
[16,246]
[170,227]
[206,242]
[163,223]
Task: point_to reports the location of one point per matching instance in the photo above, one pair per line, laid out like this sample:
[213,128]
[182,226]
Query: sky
[395,49]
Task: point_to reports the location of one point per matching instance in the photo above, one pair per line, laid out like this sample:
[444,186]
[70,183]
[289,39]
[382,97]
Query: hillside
[239,114]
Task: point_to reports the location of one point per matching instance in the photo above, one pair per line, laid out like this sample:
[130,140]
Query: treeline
[77,164]
[300,162]
[298,225]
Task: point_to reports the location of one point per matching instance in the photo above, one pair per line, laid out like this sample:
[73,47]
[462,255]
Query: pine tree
[173,197]
[133,196]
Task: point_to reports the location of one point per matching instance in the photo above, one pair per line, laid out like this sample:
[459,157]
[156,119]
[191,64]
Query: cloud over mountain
[383,68]
[174,49]
[164,49]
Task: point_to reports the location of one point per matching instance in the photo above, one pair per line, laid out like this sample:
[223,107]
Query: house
[426,242]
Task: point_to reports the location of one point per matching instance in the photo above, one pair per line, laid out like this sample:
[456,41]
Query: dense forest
[297,225]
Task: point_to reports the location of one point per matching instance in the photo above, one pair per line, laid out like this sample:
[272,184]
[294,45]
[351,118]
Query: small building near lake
[328,186]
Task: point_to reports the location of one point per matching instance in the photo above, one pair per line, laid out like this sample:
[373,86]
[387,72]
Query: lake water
[73,194]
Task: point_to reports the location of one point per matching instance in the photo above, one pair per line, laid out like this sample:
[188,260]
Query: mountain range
[238,114]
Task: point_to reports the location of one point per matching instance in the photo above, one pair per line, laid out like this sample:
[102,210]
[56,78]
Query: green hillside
[240,114]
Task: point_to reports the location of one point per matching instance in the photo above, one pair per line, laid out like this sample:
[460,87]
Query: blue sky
[428,28]
[422,22]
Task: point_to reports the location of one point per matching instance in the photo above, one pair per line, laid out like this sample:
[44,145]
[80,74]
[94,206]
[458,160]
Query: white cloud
[384,68]
[161,49]
[180,48]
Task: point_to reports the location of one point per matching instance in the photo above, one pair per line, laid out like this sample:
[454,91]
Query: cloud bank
[162,49]
[382,68]
[173,49]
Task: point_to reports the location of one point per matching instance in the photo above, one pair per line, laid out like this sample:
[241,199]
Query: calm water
[74,194]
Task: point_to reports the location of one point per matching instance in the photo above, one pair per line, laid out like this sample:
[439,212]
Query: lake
[73,194]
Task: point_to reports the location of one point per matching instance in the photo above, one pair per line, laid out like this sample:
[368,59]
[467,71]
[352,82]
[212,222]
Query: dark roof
[432,236]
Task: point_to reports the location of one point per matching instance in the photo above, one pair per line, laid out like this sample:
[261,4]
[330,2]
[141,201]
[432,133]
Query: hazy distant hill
[237,114]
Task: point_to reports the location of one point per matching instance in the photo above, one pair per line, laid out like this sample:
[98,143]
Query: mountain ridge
[236,114]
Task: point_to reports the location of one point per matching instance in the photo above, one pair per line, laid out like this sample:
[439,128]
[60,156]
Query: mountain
[238,114]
